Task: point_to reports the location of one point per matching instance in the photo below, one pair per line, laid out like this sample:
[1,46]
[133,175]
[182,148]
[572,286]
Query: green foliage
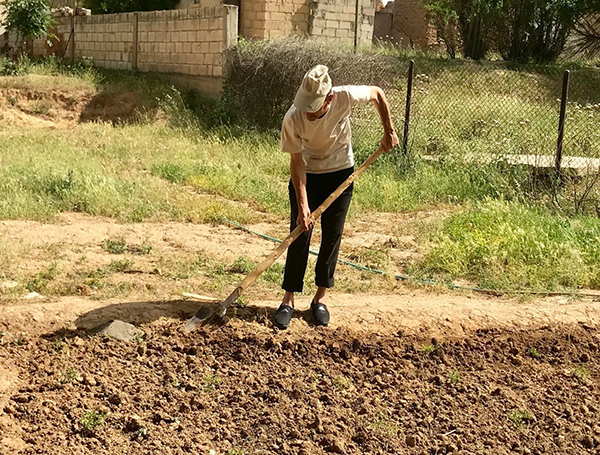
[117,246]
[91,420]
[242,265]
[538,30]
[506,245]
[29,19]
[520,418]
[533,353]
[126,6]
[520,30]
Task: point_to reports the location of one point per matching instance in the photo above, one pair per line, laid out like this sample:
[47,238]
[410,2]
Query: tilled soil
[245,389]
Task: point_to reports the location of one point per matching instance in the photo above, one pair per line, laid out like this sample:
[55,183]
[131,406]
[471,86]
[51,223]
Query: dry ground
[402,369]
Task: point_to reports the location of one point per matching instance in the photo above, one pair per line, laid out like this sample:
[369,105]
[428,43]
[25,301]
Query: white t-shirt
[325,143]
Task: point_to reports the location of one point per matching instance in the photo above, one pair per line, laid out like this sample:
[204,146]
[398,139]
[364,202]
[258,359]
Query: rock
[9,285]
[334,445]
[118,330]
[411,441]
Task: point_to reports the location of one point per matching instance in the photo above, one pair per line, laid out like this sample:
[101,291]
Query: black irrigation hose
[421,281]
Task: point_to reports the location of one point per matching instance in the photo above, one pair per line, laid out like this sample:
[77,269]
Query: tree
[125,6]
[474,18]
[538,30]
[587,36]
[445,20]
[29,19]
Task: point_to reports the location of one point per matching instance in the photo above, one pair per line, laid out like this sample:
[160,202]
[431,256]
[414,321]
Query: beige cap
[315,87]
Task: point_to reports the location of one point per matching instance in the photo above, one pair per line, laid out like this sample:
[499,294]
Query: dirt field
[402,369]
[413,371]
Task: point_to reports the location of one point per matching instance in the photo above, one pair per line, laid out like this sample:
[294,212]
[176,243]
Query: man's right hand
[304,219]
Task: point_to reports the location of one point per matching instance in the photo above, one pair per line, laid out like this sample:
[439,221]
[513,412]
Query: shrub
[263,76]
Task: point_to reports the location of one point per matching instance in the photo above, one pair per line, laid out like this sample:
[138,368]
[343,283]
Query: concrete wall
[335,19]
[383,26]
[411,27]
[188,43]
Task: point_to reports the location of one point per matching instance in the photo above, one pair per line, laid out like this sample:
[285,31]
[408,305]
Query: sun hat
[315,87]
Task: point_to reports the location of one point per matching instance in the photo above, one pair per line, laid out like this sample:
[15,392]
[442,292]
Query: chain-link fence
[483,122]
[508,119]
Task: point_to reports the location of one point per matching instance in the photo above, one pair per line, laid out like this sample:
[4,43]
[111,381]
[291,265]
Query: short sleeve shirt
[325,143]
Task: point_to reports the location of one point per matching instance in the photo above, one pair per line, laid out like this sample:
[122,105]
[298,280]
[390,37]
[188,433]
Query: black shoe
[283,316]
[319,312]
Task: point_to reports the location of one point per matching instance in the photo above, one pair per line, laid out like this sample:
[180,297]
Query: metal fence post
[134,49]
[356,25]
[561,122]
[73,21]
[411,74]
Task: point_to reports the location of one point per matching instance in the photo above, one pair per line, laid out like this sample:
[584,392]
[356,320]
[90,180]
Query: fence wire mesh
[492,115]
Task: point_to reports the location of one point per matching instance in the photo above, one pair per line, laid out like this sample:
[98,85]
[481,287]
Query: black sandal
[283,316]
[320,313]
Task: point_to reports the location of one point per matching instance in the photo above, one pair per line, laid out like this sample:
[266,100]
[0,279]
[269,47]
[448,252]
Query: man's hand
[389,141]
[304,219]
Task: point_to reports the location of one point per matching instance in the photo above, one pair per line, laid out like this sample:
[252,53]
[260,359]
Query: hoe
[207,315]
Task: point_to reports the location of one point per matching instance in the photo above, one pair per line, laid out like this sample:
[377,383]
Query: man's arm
[390,139]
[298,174]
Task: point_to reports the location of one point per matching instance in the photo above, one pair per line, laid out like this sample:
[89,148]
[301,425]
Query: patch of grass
[533,353]
[274,274]
[581,373]
[40,281]
[242,265]
[121,266]
[119,246]
[71,374]
[210,382]
[114,246]
[504,245]
[520,418]
[91,420]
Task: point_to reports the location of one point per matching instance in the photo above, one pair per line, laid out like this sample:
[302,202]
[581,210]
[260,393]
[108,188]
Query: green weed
[581,373]
[120,266]
[520,418]
[91,420]
[210,382]
[429,349]
[342,382]
[454,377]
[71,374]
[41,280]
[116,246]
[533,353]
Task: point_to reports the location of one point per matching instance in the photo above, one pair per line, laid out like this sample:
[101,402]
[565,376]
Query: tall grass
[504,245]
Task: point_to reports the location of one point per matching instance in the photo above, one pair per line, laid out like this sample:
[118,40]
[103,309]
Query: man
[316,134]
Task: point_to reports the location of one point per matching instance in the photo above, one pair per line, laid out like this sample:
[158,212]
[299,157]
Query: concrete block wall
[182,41]
[411,27]
[188,42]
[335,19]
[267,19]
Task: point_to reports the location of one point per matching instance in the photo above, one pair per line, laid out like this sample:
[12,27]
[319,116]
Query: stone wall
[184,42]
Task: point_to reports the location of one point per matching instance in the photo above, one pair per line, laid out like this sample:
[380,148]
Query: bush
[263,76]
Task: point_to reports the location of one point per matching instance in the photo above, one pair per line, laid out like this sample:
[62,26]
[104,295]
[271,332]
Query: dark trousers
[318,188]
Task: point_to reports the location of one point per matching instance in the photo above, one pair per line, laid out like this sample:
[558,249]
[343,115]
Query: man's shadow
[145,312]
